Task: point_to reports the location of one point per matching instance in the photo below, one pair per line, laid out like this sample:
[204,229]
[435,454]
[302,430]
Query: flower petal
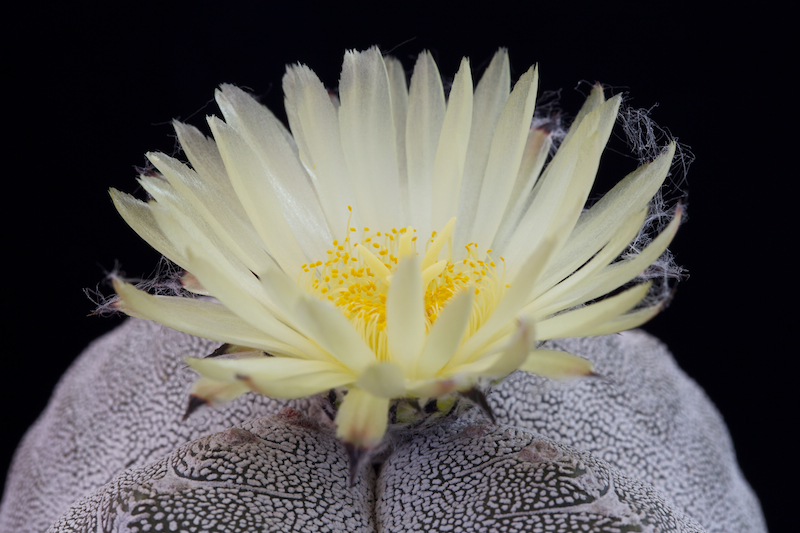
[561,193]
[328,327]
[513,301]
[317,320]
[231,228]
[508,145]
[506,361]
[603,219]
[631,320]
[279,377]
[555,364]
[274,147]
[448,168]
[617,274]
[405,314]
[362,419]
[384,380]
[445,334]
[368,137]
[253,309]
[216,392]
[426,110]
[579,322]
[398,92]
[595,100]
[488,103]
[537,149]
[199,317]
[187,231]
[571,291]
[139,217]
[205,159]
[314,120]
[257,195]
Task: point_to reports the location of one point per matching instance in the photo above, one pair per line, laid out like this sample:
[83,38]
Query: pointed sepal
[356,455]
[477,397]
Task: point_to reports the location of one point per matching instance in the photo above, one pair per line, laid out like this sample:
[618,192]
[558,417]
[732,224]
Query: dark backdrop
[92,87]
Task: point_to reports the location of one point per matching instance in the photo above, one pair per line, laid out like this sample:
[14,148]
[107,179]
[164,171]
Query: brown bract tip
[356,455]
[195,402]
[477,397]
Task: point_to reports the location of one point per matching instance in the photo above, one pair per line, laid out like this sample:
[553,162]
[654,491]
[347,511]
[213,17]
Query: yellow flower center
[356,275]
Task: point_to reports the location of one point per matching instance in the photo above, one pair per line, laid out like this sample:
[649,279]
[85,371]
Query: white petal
[508,145]
[274,147]
[624,322]
[572,290]
[204,156]
[426,110]
[564,187]
[594,100]
[621,272]
[513,301]
[362,419]
[315,124]
[448,168]
[255,191]
[199,317]
[579,323]
[537,149]
[140,218]
[213,189]
[488,102]
[384,380]
[278,377]
[186,229]
[218,392]
[503,363]
[398,91]
[318,320]
[322,322]
[555,364]
[445,334]
[368,138]
[229,224]
[405,314]
[603,219]
[252,309]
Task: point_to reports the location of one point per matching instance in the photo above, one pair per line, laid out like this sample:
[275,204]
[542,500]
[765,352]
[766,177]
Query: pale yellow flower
[399,244]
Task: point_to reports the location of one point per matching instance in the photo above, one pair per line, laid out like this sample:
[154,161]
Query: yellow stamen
[356,279]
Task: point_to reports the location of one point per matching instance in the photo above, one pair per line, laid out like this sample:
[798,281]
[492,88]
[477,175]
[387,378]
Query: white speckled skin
[118,407]
[652,423]
[116,418]
[279,473]
[461,477]
[276,474]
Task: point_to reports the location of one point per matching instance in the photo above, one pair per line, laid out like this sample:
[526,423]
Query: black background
[91,87]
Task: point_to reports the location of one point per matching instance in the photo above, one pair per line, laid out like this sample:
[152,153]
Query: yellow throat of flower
[356,276]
